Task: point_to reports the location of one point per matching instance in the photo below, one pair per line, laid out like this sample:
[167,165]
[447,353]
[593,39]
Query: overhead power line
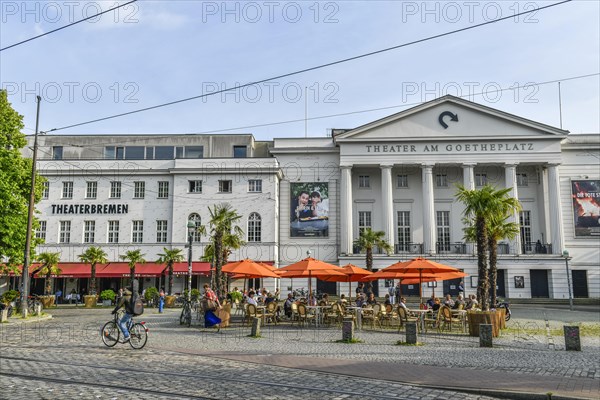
[66,26]
[307,69]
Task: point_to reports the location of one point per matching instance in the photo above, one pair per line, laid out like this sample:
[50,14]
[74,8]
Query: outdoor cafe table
[318,313]
[421,315]
[358,312]
[462,316]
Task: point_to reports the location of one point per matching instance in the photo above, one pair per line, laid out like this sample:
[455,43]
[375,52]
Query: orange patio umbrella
[309,268]
[353,274]
[249,268]
[423,268]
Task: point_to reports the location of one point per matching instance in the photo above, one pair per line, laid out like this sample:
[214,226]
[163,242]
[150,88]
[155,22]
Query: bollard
[38,310]
[348,330]
[572,341]
[4,315]
[485,335]
[255,332]
[411,333]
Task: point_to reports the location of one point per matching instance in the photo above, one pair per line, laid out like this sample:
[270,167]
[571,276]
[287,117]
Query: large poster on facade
[309,209]
[586,207]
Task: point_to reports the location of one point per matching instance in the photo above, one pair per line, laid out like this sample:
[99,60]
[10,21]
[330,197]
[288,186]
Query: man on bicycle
[127,303]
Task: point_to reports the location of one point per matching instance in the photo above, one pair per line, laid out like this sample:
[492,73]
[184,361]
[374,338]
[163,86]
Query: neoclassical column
[510,175]
[387,198]
[469,176]
[556,220]
[346,210]
[428,210]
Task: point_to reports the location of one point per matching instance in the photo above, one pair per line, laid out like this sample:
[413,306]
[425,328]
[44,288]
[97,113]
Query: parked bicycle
[111,333]
[33,302]
[7,307]
[185,318]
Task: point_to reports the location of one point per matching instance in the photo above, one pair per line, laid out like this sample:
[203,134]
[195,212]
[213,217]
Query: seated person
[431,301]
[387,300]
[360,300]
[312,300]
[287,306]
[402,303]
[371,300]
[270,298]
[459,301]
[342,299]
[436,304]
[251,299]
[472,302]
[325,298]
[448,301]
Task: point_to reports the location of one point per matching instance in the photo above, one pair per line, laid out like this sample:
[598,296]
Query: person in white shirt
[251,300]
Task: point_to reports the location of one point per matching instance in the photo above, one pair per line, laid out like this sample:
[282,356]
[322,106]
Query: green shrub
[195,294]
[150,293]
[108,295]
[9,296]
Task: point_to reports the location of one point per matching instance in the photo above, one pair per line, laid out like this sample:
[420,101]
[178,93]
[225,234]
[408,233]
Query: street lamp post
[565,254]
[191,227]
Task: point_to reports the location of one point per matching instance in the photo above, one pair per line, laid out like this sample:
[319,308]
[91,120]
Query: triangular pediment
[447,118]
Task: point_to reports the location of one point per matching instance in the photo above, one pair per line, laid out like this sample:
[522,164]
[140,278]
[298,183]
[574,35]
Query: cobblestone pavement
[64,357]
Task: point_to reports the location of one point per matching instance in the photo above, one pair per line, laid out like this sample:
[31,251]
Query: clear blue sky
[161,51]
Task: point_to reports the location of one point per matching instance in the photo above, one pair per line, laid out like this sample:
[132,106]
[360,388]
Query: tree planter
[47,301]
[170,301]
[502,312]
[90,301]
[483,317]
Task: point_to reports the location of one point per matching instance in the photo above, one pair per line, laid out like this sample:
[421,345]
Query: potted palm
[48,268]
[170,257]
[367,240]
[107,297]
[93,256]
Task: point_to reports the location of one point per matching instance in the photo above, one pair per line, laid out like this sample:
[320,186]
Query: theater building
[397,175]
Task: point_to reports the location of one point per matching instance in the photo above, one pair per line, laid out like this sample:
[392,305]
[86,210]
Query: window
[179,152]
[254,228]
[364,181]
[195,186]
[525,222]
[240,152]
[137,234]
[441,180]
[67,192]
[57,152]
[480,179]
[91,190]
[194,151]
[402,181]
[364,221]
[163,190]
[149,153]
[224,186]
[443,230]
[198,221]
[163,153]
[522,180]
[255,185]
[64,234]
[113,231]
[404,237]
[114,153]
[161,231]
[40,233]
[139,189]
[115,190]
[134,152]
[46,190]
[89,231]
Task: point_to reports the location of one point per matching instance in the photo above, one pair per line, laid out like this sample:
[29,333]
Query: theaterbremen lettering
[90,208]
[450,148]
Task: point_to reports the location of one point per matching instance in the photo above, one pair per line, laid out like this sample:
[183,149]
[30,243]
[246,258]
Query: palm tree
[222,219]
[366,241]
[499,228]
[48,267]
[93,256]
[170,257]
[133,257]
[481,207]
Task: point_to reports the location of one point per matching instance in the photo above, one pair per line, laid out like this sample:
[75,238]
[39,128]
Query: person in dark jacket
[127,302]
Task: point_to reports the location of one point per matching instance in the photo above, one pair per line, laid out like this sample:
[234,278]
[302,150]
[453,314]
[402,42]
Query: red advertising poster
[586,207]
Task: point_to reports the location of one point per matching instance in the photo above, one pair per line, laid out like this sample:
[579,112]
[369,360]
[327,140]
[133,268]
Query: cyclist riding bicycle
[127,302]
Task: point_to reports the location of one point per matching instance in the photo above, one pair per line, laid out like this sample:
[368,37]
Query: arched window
[254,228]
[196,218]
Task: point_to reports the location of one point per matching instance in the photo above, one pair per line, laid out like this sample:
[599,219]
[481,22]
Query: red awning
[121,270]
[72,270]
[198,268]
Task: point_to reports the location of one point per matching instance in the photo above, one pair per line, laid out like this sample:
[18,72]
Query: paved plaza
[63,357]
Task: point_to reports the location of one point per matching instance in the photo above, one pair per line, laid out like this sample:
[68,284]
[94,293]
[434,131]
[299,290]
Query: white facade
[396,175]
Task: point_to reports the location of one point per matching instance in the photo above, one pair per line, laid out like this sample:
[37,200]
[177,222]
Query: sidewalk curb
[17,320]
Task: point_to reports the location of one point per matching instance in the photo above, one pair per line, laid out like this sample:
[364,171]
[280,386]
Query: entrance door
[326,287]
[501,291]
[580,285]
[451,287]
[539,283]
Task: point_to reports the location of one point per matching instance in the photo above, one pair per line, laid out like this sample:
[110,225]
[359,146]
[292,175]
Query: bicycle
[111,333]
[185,318]
[32,303]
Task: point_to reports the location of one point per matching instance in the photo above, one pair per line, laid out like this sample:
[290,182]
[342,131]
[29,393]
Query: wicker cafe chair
[404,317]
[446,319]
[303,315]
[271,312]
[333,314]
[390,315]
[373,315]
[323,303]
[252,312]
[434,319]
